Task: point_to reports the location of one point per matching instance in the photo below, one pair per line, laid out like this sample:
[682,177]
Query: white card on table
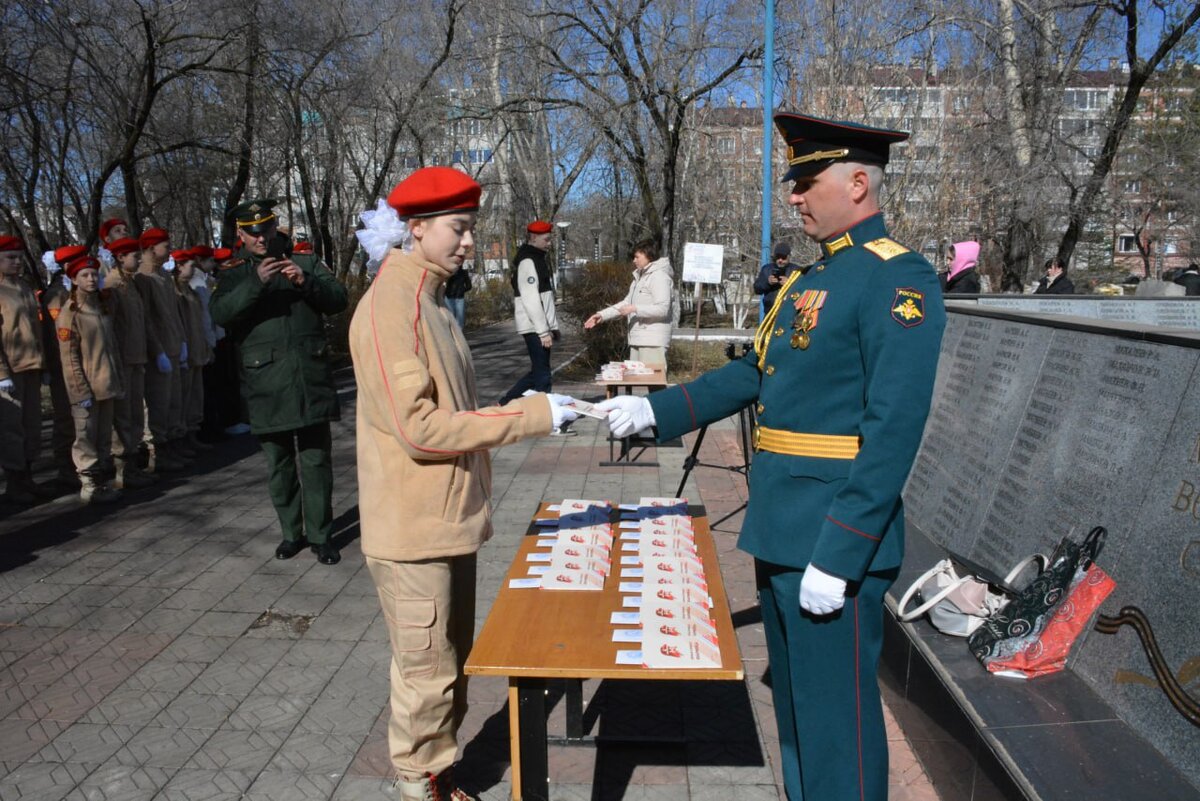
[627,635]
[626,618]
[629,657]
[524,583]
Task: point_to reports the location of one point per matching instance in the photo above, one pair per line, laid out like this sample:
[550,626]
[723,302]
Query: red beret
[119,247]
[303,247]
[108,225]
[431,191]
[12,243]
[222,254]
[79,263]
[68,252]
[151,237]
[539,227]
[202,252]
[180,256]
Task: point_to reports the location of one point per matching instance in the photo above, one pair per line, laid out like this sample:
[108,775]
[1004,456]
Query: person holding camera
[772,275]
[272,306]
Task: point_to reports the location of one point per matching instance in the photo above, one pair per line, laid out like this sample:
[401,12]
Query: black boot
[327,553]
[289,548]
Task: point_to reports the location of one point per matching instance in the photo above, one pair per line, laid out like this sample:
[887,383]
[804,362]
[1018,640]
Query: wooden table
[653,381]
[532,635]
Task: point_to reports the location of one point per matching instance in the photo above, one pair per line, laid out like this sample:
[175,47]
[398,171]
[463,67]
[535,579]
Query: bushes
[597,285]
[489,301]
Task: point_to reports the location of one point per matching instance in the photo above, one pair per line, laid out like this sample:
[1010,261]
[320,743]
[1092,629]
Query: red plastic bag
[1047,653]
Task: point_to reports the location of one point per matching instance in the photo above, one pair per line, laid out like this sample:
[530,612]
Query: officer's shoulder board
[886,248]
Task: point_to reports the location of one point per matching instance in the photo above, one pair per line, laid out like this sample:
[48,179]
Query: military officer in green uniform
[841,378]
[273,306]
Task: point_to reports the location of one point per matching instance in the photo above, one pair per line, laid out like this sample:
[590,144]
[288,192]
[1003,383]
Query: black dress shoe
[327,553]
[289,548]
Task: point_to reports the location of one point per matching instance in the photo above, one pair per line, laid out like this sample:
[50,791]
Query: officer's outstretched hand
[821,593]
[561,409]
[627,414]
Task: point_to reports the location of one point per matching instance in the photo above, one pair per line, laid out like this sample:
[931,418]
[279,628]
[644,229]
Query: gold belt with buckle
[819,446]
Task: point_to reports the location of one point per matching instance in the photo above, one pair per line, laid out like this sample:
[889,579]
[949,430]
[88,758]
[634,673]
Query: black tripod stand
[746,422]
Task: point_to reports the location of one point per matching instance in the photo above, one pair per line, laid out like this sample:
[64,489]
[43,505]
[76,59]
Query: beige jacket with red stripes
[424,472]
[91,357]
[20,329]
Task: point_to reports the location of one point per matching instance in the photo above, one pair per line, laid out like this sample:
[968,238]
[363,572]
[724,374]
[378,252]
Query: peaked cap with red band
[152,236]
[431,191]
[539,227]
[108,225]
[11,243]
[813,143]
[80,263]
[122,246]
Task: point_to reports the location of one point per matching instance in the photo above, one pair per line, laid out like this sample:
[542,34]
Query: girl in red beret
[21,363]
[91,362]
[424,471]
[134,342]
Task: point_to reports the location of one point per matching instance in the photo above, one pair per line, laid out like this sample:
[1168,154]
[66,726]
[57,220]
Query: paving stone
[129,707]
[244,751]
[88,743]
[193,710]
[274,785]
[41,781]
[113,781]
[316,752]
[191,784]
[163,747]
[268,713]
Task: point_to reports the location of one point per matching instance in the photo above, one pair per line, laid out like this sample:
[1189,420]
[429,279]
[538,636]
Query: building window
[1170,247]
[1084,99]
[1127,243]
[726,145]
[1132,187]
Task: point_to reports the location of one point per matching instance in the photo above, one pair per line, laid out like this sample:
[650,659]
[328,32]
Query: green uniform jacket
[868,371]
[279,331]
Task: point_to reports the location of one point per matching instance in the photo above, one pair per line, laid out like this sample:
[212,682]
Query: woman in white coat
[647,306]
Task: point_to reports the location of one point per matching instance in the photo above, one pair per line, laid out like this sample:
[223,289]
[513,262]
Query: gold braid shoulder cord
[762,337]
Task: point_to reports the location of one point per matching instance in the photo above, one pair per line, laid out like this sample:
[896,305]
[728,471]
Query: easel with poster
[701,265]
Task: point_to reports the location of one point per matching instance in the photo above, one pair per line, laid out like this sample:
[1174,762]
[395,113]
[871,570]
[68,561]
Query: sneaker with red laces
[432,788]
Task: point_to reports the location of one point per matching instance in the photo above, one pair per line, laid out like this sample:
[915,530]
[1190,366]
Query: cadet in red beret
[21,364]
[418,426]
[535,312]
[133,343]
[112,230]
[167,347]
[92,371]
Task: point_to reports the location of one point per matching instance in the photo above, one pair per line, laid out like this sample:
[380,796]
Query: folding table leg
[574,700]
[534,756]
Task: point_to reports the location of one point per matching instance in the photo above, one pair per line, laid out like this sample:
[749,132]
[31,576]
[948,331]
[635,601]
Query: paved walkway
[157,650]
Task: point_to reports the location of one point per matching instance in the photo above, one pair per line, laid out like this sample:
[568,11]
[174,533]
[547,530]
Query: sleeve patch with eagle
[64,334]
[908,307]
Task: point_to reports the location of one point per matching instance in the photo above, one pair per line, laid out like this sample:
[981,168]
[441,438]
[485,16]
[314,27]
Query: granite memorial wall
[1038,430]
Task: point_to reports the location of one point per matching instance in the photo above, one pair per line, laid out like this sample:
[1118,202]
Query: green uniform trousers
[303,498]
[823,681]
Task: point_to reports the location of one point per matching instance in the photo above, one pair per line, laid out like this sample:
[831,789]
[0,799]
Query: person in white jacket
[533,308]
[647,306]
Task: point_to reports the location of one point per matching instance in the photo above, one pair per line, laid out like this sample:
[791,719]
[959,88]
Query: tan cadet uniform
[418,428]
[21,361]
[92,371]
[135,344]
[63,435]
[163,390]
[199,354]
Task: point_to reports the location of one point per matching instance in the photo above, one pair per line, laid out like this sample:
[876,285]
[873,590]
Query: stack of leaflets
[618,371]
[663,576]
[575,552]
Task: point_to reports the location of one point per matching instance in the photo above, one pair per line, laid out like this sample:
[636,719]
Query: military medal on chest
[808,307]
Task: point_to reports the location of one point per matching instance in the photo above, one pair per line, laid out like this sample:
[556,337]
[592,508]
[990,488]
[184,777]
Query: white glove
[627,414]
[7,385]
[821,593]
[85,404]
[560,409]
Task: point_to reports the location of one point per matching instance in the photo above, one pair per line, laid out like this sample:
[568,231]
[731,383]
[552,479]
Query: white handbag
[958,602]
